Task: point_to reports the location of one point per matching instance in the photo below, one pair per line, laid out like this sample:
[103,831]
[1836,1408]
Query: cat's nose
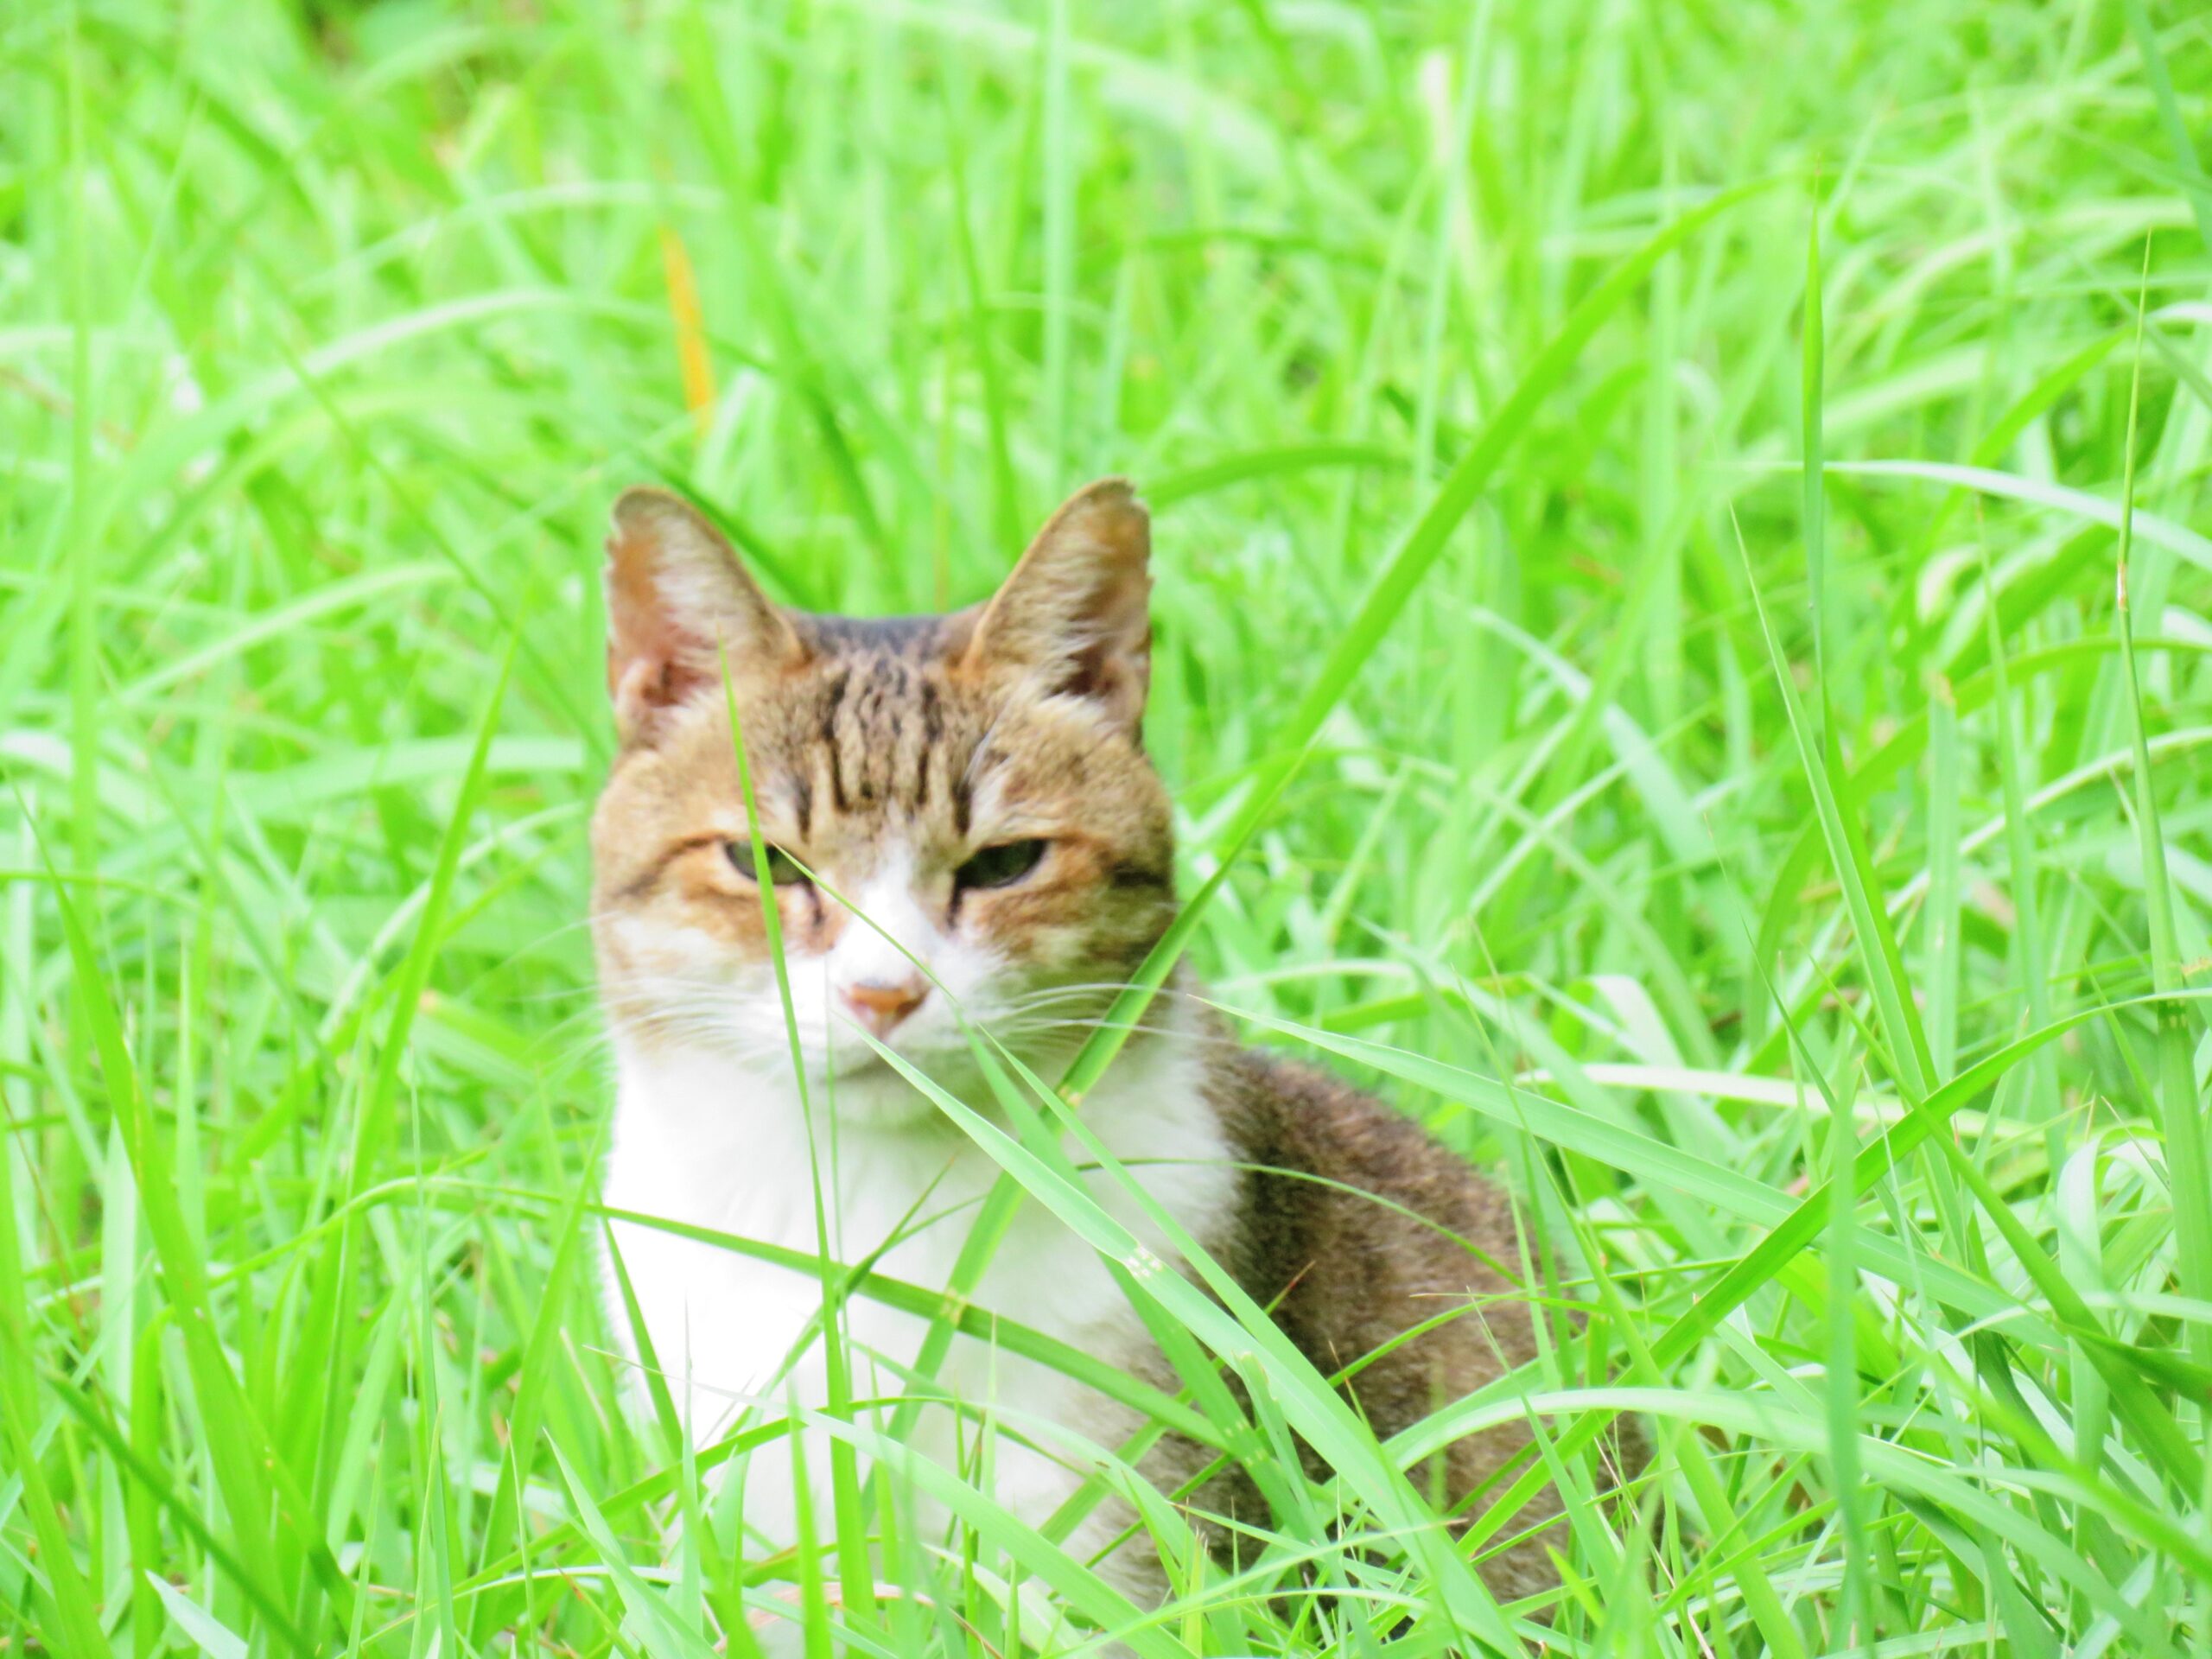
[880,1005]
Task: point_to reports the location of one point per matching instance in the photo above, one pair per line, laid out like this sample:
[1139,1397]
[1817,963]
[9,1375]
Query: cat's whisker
[1101,990]
[1147,1027]
[1173,1033]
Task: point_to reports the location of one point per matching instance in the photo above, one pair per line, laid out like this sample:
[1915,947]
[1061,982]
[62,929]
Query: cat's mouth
[861,1088]
[851,1056]
[942,1058]
[844,1067]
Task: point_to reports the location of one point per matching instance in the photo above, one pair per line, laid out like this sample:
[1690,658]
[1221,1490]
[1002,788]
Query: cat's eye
[1000,866]
[783,868]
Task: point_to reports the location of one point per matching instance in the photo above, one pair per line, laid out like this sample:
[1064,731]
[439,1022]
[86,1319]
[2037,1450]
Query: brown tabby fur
[1347,1276]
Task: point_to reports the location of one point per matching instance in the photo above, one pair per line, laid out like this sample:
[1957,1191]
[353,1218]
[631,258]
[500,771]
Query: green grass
[1640,494]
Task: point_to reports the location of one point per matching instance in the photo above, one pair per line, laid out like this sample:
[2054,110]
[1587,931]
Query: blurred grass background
[328,331]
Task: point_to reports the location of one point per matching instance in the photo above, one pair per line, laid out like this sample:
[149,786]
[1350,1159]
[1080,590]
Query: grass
[1642,500]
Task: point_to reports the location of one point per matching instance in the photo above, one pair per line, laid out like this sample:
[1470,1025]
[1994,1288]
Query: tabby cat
[962,830]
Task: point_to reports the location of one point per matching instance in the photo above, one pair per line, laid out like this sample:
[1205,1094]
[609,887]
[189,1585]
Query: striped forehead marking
[883,736]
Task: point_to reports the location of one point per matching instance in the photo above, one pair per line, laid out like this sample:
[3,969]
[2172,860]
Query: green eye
[1000,866]
[783,868]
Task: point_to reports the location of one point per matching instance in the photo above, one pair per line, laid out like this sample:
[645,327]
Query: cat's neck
[712,1125]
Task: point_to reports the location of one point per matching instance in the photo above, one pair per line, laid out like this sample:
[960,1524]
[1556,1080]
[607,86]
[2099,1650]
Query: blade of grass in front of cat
[1230,1426]
[985,1518]
[1224,1317]
[995,1216]
[1085,1368]
[857,1576]
[676,1425]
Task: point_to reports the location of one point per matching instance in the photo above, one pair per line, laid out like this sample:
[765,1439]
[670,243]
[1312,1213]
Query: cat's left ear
[1074,618]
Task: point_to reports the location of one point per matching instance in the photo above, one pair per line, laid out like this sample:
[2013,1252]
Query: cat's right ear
[1073,619]
[678,605]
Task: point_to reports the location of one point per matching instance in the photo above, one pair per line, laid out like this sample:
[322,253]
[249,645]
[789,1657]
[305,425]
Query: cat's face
[984,834]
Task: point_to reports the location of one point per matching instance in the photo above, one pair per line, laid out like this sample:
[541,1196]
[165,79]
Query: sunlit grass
[1676,727]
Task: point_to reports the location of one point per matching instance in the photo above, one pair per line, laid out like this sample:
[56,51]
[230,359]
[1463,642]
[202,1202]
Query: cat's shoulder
[1306,1124]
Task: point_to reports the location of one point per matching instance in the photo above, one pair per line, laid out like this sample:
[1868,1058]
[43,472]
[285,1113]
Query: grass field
[1694,833]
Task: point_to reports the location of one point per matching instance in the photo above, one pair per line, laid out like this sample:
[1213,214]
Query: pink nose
[879,1007]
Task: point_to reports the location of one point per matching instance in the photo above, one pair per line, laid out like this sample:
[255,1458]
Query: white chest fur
[701,1140]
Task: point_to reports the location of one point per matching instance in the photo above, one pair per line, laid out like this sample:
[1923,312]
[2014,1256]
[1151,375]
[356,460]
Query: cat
[962,824]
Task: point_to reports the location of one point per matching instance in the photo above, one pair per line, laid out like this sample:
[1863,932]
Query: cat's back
[1355,1228]
[1358,1225]
[1345,1195]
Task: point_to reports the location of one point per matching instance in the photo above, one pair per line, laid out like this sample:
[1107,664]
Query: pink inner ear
[1074,614]
[644,683]
[1115,649]
[647,649]
[1116,677]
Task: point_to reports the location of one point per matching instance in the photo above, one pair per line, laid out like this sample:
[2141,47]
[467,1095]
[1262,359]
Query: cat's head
[985,835]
